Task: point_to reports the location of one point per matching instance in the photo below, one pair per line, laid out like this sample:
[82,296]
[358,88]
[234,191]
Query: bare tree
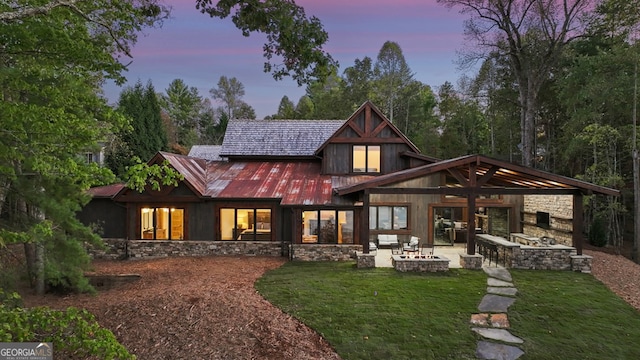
[532,34]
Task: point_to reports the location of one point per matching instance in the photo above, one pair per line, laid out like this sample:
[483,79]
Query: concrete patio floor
[383,256]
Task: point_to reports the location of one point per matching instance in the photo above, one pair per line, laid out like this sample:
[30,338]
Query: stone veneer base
[117,249]
[473,262]
[412,264]
[365,261]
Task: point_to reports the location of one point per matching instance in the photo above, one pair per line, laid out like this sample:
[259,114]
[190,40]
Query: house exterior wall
[200,220]
[110,226]
[418,203]
[338,158]
[560,209]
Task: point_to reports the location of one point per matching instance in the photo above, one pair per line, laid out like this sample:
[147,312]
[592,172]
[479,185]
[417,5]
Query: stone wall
[472,262]
[138,249]
[435,264]
[581,263]
[141,249]
[498,221]
[324,252]
[114,249]
[560,209]
[365,261]
[542,258]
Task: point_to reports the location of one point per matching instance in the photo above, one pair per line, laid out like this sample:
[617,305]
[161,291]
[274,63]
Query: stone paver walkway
[492,323]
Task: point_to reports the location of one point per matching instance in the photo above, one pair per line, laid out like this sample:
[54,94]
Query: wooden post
[364,234]
[471,223]
[471,211]
[578,223]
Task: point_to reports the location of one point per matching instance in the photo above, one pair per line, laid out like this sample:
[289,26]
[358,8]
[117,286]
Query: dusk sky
[198,49]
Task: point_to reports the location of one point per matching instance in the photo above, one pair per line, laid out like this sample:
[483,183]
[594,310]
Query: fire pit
[420,263]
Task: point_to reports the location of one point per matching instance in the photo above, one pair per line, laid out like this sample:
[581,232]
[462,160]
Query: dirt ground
[207,308]
[195,308]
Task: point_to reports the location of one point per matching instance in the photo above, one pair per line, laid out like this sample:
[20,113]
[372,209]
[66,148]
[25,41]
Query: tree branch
[22,12]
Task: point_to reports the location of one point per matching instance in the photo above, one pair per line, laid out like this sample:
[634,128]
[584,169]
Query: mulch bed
[195,308]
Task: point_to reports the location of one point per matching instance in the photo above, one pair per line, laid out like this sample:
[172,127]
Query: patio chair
[396,249]
[373,249]
[426,249]
[412,245]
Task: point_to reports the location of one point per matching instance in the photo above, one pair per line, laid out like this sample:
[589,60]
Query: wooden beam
[487,176]
[482,191]
[458,175]
[367,140]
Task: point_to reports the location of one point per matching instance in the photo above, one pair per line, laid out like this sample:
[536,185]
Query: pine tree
[145,137]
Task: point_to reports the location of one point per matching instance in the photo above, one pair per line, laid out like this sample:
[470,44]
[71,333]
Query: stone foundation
[581,263]
[114,249]
[324,252]
[473,262]
[365,261]
[145,249]
[419,263]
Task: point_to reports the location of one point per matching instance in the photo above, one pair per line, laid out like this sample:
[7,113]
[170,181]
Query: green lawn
[384,314]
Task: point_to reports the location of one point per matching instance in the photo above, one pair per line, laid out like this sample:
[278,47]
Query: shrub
[597,234]
[75,333]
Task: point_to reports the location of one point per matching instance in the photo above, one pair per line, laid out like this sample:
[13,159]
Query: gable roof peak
[370,128]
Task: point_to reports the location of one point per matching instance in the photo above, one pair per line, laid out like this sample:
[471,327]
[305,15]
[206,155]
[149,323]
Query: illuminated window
[366,159]
[162,223]
[388,217]
[245,224]
[327,227]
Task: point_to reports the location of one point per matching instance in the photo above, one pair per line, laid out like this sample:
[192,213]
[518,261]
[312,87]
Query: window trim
[336,215]
[366,159]
[255,208]
[377,230]
[155,228]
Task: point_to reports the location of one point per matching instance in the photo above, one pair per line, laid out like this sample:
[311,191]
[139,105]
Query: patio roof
[483,175]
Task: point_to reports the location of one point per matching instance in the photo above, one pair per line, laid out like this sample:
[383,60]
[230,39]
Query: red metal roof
[295,182]
[107,191]
[193,170]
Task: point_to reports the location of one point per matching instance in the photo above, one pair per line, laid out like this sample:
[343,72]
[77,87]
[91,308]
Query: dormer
[367,144]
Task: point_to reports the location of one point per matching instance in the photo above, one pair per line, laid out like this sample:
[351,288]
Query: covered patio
[472,178]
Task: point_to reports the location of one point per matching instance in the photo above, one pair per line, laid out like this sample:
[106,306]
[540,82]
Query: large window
[245,224]
[388,217]
[327,227]
[366,158]
[162,223]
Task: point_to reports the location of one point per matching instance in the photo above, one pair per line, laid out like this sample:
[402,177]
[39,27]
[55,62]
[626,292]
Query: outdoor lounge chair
[373,248]
[412,245]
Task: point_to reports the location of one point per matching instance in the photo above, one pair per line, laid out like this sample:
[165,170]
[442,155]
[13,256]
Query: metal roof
[193,169]
[294,182]
[279,138]
[107,191]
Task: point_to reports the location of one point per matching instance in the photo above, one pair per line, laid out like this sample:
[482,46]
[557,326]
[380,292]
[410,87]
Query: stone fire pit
[420,263]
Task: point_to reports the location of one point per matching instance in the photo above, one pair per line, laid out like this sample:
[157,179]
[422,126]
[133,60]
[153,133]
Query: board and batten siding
[419,203]
[337,158]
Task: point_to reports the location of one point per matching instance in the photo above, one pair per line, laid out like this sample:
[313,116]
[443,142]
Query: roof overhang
[480,174]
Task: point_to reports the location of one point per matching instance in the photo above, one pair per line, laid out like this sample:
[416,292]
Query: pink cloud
[199,49]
